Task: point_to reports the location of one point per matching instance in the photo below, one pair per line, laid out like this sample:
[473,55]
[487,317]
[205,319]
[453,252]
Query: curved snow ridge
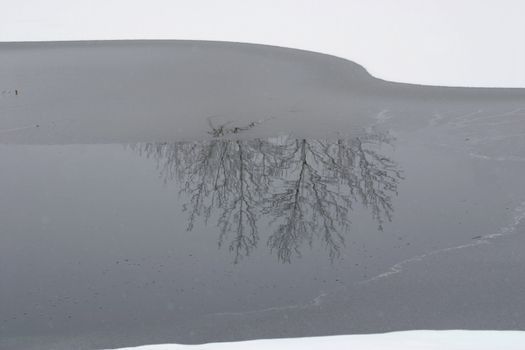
[407,340]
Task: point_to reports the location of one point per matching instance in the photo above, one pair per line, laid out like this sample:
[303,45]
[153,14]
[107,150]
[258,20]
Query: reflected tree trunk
[306,188]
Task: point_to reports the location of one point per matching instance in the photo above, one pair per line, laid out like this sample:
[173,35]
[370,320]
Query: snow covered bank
[446,42]
[410,340]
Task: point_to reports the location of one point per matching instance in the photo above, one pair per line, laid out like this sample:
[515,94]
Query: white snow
[409,340]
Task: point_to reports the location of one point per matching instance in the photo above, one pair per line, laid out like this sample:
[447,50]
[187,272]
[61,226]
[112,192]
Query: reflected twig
[305,187]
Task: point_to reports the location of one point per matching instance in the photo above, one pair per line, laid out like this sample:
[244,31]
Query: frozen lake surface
[191,192]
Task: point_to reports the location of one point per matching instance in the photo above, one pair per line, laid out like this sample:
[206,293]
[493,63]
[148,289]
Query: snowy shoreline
[408,340]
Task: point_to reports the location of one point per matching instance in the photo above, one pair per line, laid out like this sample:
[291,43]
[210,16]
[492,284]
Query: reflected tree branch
[306,188]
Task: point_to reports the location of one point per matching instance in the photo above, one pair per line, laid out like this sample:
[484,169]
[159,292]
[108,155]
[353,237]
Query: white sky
[441,42]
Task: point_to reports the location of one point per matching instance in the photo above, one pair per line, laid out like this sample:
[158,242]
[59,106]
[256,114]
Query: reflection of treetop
[305,187]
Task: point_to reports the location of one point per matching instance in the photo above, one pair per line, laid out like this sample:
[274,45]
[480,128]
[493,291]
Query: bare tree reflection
[222,176]
[306,187]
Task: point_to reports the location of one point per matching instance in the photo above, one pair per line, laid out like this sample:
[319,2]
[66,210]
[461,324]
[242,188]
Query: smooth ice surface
[192,192]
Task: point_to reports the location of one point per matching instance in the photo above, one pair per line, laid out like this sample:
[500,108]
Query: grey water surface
[191,192]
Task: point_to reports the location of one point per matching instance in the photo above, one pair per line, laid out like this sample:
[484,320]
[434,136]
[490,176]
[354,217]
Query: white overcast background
[440,42]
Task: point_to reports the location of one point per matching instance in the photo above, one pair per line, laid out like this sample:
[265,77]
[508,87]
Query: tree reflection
[306,188]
